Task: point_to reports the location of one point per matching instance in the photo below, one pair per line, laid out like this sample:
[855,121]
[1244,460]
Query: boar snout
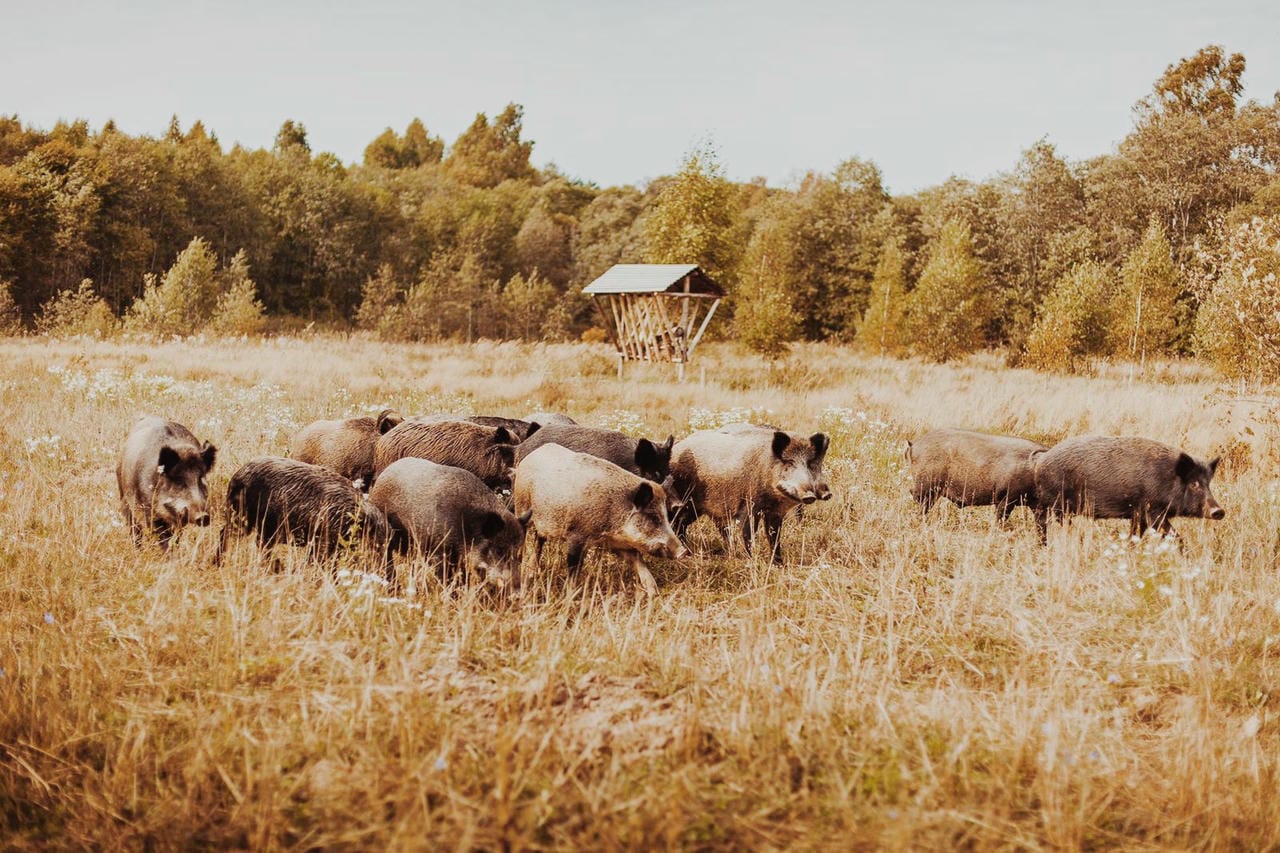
[201,519]
[824,492]
[1217,513]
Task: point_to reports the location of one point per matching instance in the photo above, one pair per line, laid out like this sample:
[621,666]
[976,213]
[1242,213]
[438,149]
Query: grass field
[895,683]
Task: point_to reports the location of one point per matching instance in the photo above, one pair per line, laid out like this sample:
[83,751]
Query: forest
[1166,246]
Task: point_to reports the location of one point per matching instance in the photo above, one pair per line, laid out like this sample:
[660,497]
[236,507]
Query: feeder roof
[653,278]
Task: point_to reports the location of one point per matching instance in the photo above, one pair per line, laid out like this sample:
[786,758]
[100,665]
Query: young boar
[161,475]
[973,469]
[639,456]
[487,452]
[1123,477]
[582,500]
[286,501]
[747,474]
[438,509]
[344,446]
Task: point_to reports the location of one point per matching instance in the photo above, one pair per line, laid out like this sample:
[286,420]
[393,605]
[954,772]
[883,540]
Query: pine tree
[1149,315]
[183,301]
[238,311]
[951,307]
[1074,320]
[883,330]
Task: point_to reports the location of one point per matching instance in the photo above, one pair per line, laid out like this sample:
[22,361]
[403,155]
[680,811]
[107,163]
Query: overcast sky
[616,92]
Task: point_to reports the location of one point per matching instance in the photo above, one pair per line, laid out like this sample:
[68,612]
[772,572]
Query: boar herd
[1096,476]
[468,491]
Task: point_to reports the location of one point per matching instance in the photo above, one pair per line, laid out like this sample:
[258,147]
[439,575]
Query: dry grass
[896,683]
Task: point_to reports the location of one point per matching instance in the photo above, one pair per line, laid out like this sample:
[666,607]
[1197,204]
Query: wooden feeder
[655,312]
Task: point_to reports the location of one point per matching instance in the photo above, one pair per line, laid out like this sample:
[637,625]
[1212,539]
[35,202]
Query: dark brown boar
[520,430]
[440,510]
[345,446]
[641,457]
[1123,477]
[284,501]
[748,475]
[487,452]
[161,475]
[580,500]
[973,469]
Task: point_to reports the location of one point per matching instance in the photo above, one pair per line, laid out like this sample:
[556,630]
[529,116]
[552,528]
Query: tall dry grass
[897,682]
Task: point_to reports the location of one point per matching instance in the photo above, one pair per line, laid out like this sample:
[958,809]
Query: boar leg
[575,557]
[539,542]
[771,526]
[647,583]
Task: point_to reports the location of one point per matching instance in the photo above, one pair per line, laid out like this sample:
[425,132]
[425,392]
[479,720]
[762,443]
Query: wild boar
[641,456]
[284,501]
[973,469]
[346,446]
[543,419]
[162,478]
[1123,477]
[487,452]
[581,500]
[520,430]
[747,475]
[442,510]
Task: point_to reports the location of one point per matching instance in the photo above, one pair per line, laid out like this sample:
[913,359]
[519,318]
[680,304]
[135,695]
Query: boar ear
[1213,466]
[388,420]
[501,436]
[780,443]
[646,455]
[533,427]
[820,444]
[644,495]
[1185,467]
[667,445]
[524,517]
[169,459]
[209,454]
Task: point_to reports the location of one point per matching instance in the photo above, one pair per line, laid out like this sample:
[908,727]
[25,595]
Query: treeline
[1167,245]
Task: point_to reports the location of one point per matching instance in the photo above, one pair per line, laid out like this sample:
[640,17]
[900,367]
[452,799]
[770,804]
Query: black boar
[344,446]
[1123,477]
[442,510]
[746,475]
[973,469]
[290,502]
[581,499]
[639,456]
[161,475]
[487,452]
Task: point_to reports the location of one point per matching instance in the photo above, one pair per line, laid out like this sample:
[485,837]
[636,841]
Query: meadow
[897,682]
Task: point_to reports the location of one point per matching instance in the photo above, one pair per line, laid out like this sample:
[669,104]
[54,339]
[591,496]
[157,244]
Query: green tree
[1149,316]
[884,326]
[1074,321]
[78,311]
[183,301]
[238,311]
[414,149]
[380,303]
[1238,326]
[487,154]
[10,315]
[529,303]
[951,307]
[692,221]
[764,319]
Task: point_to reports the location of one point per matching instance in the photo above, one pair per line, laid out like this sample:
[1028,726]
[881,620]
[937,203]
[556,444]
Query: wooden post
[620,359]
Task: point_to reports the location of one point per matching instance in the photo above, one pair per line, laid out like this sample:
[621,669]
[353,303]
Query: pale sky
[617,92]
